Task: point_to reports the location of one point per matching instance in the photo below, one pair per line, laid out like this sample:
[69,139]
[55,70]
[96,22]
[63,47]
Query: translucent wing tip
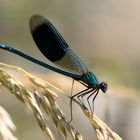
[36,21]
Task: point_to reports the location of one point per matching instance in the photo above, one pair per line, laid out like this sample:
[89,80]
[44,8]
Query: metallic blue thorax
[90,79]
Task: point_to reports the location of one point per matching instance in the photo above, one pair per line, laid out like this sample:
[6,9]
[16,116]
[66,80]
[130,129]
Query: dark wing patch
[54,47]
[48,40]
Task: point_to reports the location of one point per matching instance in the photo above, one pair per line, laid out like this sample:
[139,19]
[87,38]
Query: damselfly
[53,46]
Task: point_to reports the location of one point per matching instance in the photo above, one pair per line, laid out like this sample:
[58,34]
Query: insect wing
[54,47]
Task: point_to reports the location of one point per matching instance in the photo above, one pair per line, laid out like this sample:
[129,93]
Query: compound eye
[103,86]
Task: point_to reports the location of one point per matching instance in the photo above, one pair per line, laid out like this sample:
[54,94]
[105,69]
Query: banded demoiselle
[54,48]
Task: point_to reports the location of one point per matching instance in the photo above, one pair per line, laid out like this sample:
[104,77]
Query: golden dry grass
[7,127]
[42,101]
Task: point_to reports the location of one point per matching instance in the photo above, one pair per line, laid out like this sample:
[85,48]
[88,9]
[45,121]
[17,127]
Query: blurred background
[106,34]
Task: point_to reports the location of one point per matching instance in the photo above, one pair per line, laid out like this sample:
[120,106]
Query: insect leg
[72,87]
[71,98]
[83,84]
[94,99]
[83,94]
[89,98]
